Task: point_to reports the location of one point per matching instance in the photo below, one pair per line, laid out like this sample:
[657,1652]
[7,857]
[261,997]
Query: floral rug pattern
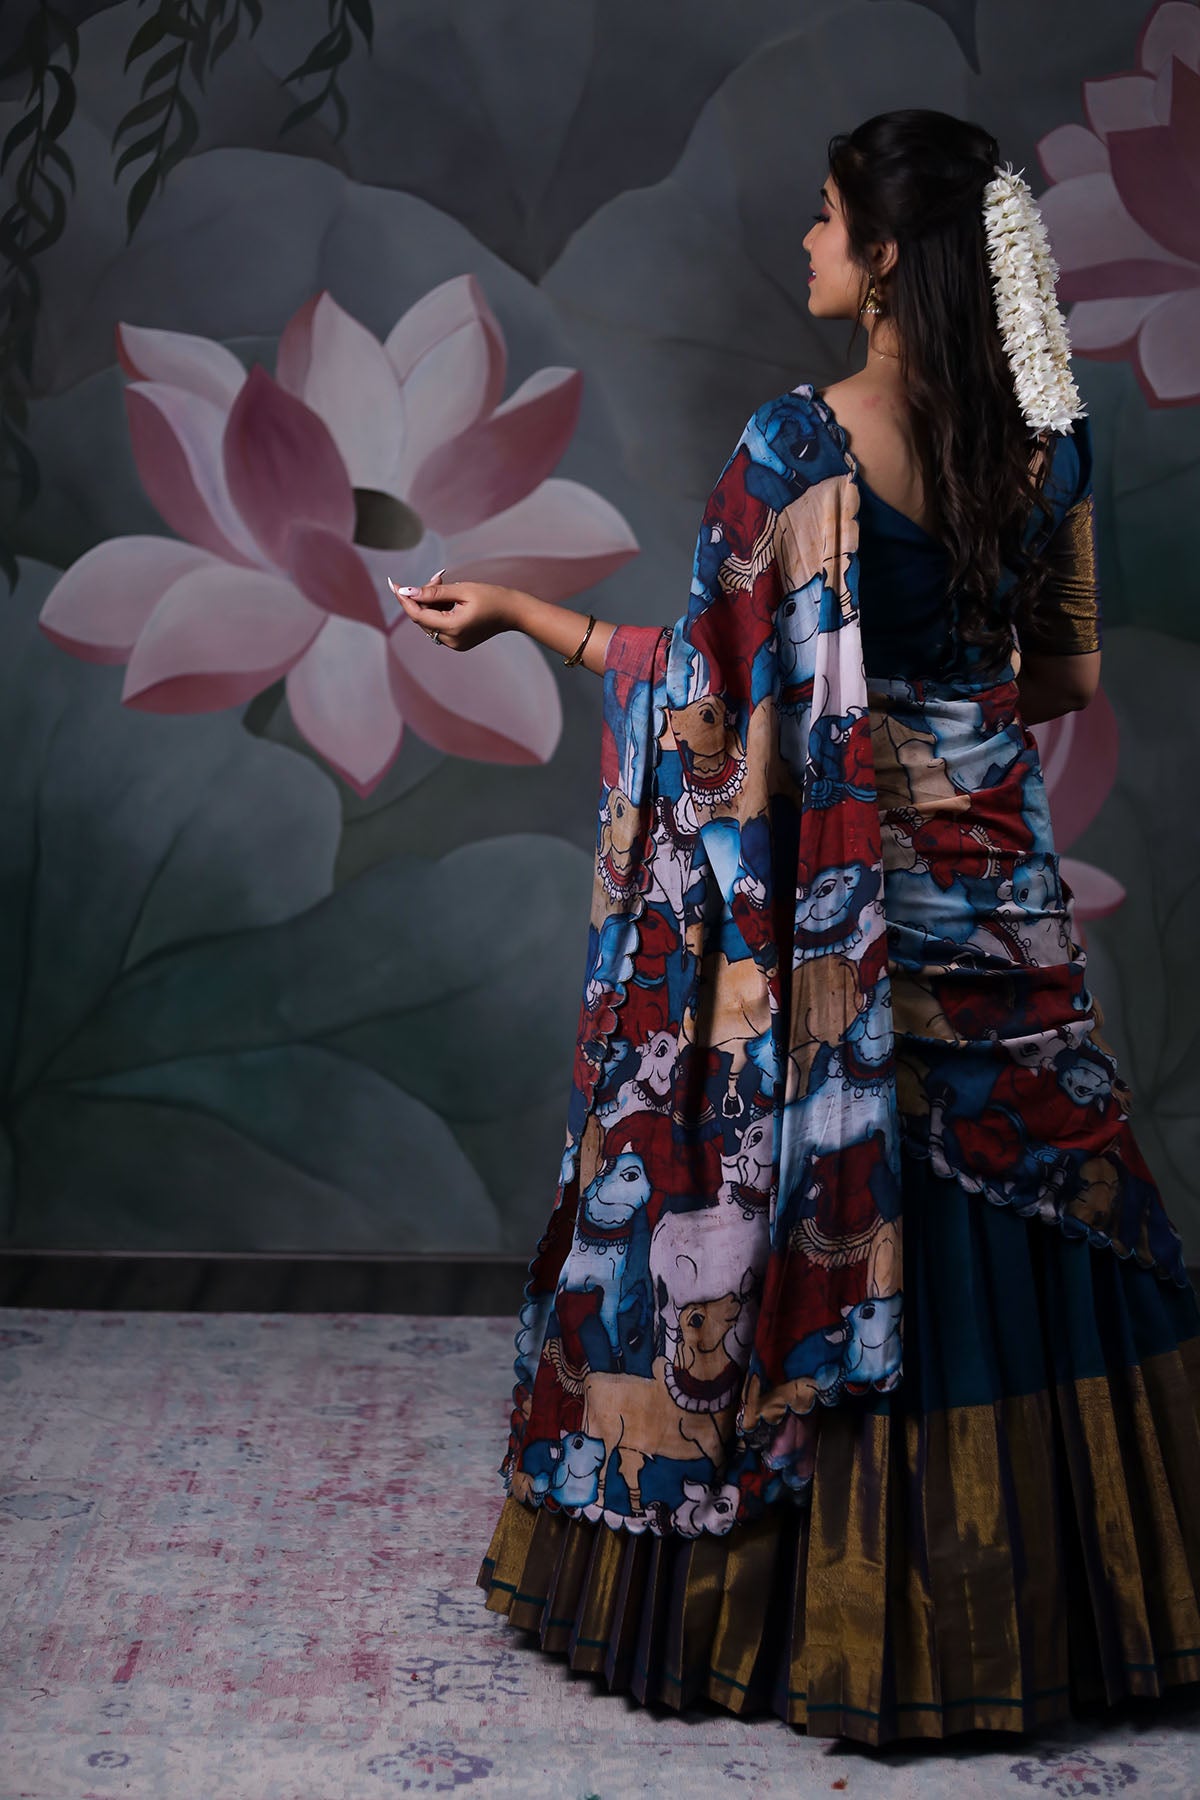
[237,1555]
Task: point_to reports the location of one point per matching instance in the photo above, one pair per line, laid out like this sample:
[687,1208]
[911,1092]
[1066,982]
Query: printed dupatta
[724,1253]
[724,1250]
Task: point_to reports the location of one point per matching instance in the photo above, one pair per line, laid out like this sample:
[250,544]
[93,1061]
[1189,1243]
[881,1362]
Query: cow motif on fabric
[826,922]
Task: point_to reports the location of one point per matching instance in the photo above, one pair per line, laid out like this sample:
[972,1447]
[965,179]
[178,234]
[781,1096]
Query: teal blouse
[904,603]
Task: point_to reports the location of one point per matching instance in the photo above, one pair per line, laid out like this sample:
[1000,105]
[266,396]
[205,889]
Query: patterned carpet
[236,1560]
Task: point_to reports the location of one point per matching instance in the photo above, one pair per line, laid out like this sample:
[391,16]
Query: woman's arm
[1049,686]
[1059,657]
[561,630]
[464,613]
[1059,663]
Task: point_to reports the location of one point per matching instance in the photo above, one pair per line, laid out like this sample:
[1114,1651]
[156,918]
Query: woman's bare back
[874,417]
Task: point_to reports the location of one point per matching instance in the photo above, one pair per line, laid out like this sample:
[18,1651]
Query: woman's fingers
[464,613]
[430,602]
[433,607]
[433,584]
[432,590]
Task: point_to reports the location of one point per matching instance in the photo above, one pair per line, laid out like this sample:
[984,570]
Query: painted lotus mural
[294,905]
[294,497]
[1124,210]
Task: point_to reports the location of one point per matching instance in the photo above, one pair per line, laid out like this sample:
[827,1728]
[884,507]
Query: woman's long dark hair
[918,177]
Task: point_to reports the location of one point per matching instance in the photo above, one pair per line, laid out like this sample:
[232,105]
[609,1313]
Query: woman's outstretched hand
[466,613]
[463,613]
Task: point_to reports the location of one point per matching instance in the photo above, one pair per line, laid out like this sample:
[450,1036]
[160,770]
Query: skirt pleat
[1011,1532]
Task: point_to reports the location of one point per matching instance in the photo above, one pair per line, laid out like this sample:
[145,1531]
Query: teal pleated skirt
[1012,1533]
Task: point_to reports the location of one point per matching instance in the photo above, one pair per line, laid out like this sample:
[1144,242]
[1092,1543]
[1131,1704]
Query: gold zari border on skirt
[973,1569]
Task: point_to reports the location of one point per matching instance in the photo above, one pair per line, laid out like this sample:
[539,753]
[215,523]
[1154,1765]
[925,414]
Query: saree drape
[829,933]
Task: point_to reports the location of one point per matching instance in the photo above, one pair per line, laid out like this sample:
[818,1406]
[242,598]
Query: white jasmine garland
[1032,327]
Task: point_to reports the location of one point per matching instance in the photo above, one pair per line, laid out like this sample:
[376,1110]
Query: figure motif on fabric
[757,1033]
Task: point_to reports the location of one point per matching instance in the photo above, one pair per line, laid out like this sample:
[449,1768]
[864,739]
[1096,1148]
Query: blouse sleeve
[1068,613]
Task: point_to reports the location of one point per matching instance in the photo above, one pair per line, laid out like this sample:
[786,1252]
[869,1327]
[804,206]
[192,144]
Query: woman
[857,1370]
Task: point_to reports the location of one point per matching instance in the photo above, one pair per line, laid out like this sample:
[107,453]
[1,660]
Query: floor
[237,1554]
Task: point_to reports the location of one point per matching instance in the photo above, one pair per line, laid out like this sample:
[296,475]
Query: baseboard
[168,1281]
[172,1281]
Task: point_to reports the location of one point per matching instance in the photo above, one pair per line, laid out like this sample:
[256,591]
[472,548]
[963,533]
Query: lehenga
[857,1375]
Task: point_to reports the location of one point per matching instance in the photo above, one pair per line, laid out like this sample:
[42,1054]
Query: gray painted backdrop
[292,936]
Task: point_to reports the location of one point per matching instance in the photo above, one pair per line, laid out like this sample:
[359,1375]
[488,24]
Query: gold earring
[872,302]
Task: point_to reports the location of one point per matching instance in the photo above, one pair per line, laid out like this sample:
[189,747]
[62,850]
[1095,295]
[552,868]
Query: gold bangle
[570,661]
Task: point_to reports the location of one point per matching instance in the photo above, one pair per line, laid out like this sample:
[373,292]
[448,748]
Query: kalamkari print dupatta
[828,929]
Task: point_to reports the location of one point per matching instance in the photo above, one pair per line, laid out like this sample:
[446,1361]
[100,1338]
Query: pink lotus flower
[294,498]
[1079,761]
[1124,211]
